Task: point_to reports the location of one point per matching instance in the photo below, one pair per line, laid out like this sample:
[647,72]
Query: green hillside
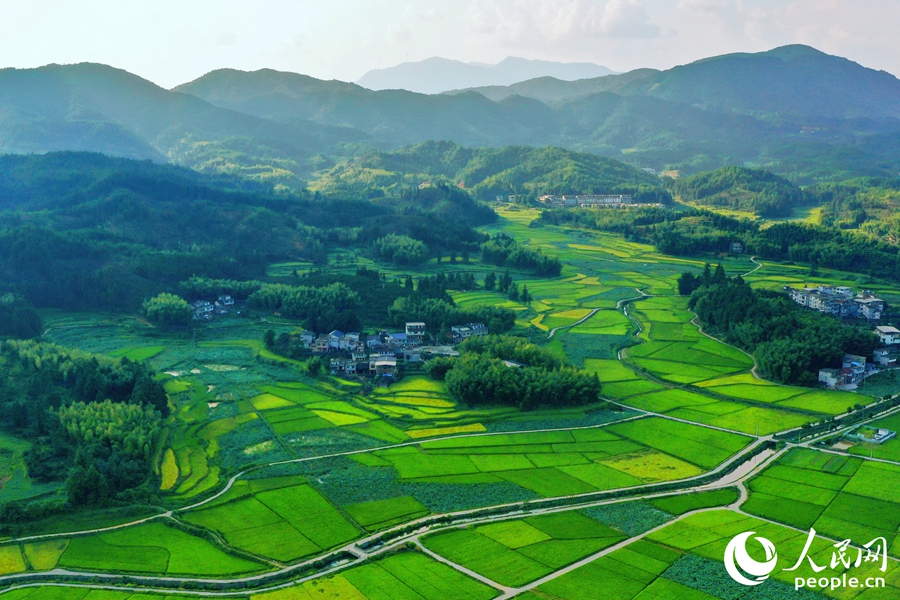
[86,231]
[790,80]
[488,172]
[748,190]
[98,108]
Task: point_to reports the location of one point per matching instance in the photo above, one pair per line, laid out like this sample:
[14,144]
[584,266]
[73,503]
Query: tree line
[533,378]
[790,343]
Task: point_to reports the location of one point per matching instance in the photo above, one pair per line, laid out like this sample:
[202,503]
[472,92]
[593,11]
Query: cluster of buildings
[587,200]
[379,354]
[853,371]
[839,301]
[205,310]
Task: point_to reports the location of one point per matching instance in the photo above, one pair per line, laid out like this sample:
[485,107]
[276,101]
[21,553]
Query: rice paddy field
[684,560]
[324,462]
[840,496]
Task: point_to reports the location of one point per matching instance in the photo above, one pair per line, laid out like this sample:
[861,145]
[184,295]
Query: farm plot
[152,548]
[840,496]
[697,445]
[684,560]
[553,463]
[277,518]
[401,576]
[516,552]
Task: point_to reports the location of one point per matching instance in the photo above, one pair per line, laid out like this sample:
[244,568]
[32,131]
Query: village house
[321,345]
[832,378]
[307,338]
[382,365]
[852,372]
[854,368]
[870,307]
[890,336]
[884,359]
[415,332]
[460,333]
[203,310]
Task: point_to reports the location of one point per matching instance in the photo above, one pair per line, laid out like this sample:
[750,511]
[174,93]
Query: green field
[237,406]
[515,552]
[840,496]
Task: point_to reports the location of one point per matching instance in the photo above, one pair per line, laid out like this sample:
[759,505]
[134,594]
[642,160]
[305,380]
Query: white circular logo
[736,552]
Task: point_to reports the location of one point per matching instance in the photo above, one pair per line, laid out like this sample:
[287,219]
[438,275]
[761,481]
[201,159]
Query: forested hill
[790,80]
[808,114]
[749,190]
[86,231]
[491,172]
[92,107]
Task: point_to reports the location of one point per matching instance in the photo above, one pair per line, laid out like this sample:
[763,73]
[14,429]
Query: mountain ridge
[436,75]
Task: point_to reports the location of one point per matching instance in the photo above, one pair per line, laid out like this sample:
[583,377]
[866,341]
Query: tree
[490,281]
[437,368]
[168,310]
[401,249]
[18,317]
[514,292]
[525,297]
[408,284]
[687,283]
[269,338]
[315,366]
[87,487]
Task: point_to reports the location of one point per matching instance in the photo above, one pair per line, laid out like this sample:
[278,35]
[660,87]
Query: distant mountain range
[436,75]
[794,110]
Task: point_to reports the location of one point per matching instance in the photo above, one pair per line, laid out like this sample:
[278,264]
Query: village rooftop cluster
[379,355]
[839,301]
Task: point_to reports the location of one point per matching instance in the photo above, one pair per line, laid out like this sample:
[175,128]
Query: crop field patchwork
[516,552]
[278,519]
[152,548]
[239,407]
[839,496]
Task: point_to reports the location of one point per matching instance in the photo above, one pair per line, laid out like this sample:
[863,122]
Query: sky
[171,42]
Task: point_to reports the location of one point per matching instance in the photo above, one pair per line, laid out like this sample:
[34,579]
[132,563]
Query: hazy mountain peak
[435,75]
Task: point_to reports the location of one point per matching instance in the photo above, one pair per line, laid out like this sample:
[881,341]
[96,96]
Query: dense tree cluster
[790,343]
[477,380]
[502,250]
[18,318]
[81,410]
[87,232]
[507,370]
[739,188]
[692,232]
[401,249]
[168,310]
[436,313]
[508,347]
[318,308]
